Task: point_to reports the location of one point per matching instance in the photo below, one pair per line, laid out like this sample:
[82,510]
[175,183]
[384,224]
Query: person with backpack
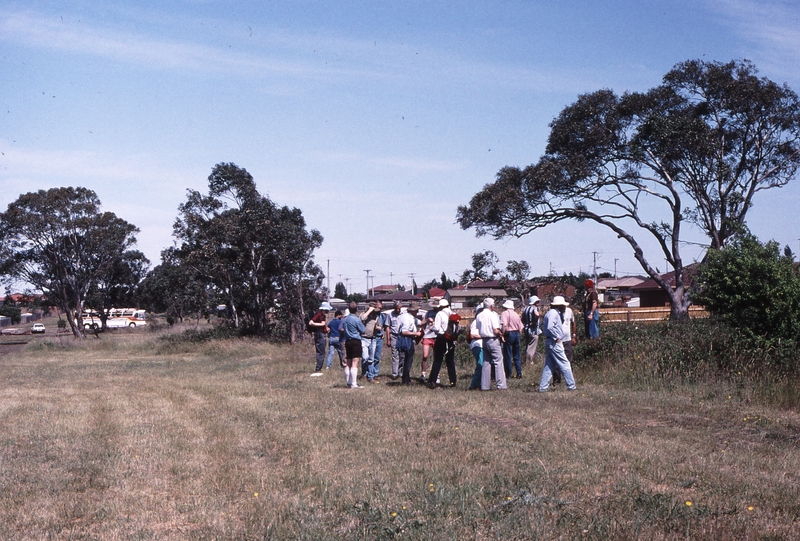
[530,322]
[318,326]
[444,344]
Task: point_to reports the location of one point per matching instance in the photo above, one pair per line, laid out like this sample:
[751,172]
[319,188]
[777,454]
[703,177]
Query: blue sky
[377,119]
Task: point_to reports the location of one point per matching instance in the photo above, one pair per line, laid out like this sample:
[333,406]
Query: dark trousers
[321,347]
[511,354]
[443,351]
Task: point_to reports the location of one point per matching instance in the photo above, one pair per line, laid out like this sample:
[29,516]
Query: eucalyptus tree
[694,150]
[175,290]
[59,242]
[258,255]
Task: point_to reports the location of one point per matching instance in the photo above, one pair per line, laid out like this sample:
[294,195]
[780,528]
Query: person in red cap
[591,315]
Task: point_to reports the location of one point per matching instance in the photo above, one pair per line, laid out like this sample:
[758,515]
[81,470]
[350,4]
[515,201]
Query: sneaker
[356,386]
[316,374]
[422,378]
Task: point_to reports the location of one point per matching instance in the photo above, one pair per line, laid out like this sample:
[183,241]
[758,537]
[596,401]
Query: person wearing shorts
[351,331]
[428,339]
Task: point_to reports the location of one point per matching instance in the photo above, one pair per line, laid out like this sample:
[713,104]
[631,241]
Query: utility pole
[391,279]
[328,276]
[615,267]
[411,275]
[367,271]
[594,268]
[347,285]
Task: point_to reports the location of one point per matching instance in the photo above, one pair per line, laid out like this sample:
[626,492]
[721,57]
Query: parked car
[37,328]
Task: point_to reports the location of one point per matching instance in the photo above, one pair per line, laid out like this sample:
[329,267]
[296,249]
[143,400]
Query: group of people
[358,339]
[494,339]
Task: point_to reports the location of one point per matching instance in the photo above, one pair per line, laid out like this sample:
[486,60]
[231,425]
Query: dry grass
[135,437]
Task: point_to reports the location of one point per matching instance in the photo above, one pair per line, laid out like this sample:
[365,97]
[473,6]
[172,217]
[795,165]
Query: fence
[645,315]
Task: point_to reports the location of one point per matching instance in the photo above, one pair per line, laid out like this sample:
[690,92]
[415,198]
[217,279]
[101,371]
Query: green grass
[139,436]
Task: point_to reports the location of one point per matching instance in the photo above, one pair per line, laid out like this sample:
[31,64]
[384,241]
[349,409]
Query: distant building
[384,289]
[651,294]
[618,291]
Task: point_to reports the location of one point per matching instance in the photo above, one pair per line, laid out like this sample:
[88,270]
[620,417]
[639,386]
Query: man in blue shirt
[555,358]
[351,330]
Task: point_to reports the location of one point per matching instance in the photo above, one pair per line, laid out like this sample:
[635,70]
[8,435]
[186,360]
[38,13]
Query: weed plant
[699,352]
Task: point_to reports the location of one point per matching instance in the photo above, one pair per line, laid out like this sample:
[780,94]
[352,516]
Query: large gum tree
[694,150]
[257,255]
[59,242]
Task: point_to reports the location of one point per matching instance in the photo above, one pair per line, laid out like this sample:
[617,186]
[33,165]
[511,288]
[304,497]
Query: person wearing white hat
[555,358]
[512,325]
[530,320]
[318,325]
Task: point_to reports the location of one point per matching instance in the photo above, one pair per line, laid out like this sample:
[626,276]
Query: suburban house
[474,292]
[651,294]
[618,291]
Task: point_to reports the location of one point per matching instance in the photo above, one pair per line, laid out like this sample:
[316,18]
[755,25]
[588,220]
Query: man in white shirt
[408,325]
[555,359]
[443,350]
[570,338]
[487,324]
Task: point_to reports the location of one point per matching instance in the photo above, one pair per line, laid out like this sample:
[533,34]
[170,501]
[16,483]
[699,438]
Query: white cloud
[772,27]
[318,56]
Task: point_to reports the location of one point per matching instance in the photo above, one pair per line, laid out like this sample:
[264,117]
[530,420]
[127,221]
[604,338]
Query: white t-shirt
[473,329]
[569,317]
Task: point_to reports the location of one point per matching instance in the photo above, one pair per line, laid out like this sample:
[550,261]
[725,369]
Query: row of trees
[236,247]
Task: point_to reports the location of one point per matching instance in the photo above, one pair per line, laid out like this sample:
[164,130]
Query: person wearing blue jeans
[476,346]
[591,314]
[319,325]
[369,343]
[555,359]
[378,336]
[512,325]
[334,343]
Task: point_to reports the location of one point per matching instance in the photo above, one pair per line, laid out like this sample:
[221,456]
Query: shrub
[754,289]
[700,349]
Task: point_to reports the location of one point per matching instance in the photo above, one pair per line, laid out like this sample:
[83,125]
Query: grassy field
[136,436]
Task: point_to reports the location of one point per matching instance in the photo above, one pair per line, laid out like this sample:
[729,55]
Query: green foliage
[340,291]
[753,288]
[58,241]
[11,311]
[484,267]
[662,355]
[256,255]
[174,289]
[694,149]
